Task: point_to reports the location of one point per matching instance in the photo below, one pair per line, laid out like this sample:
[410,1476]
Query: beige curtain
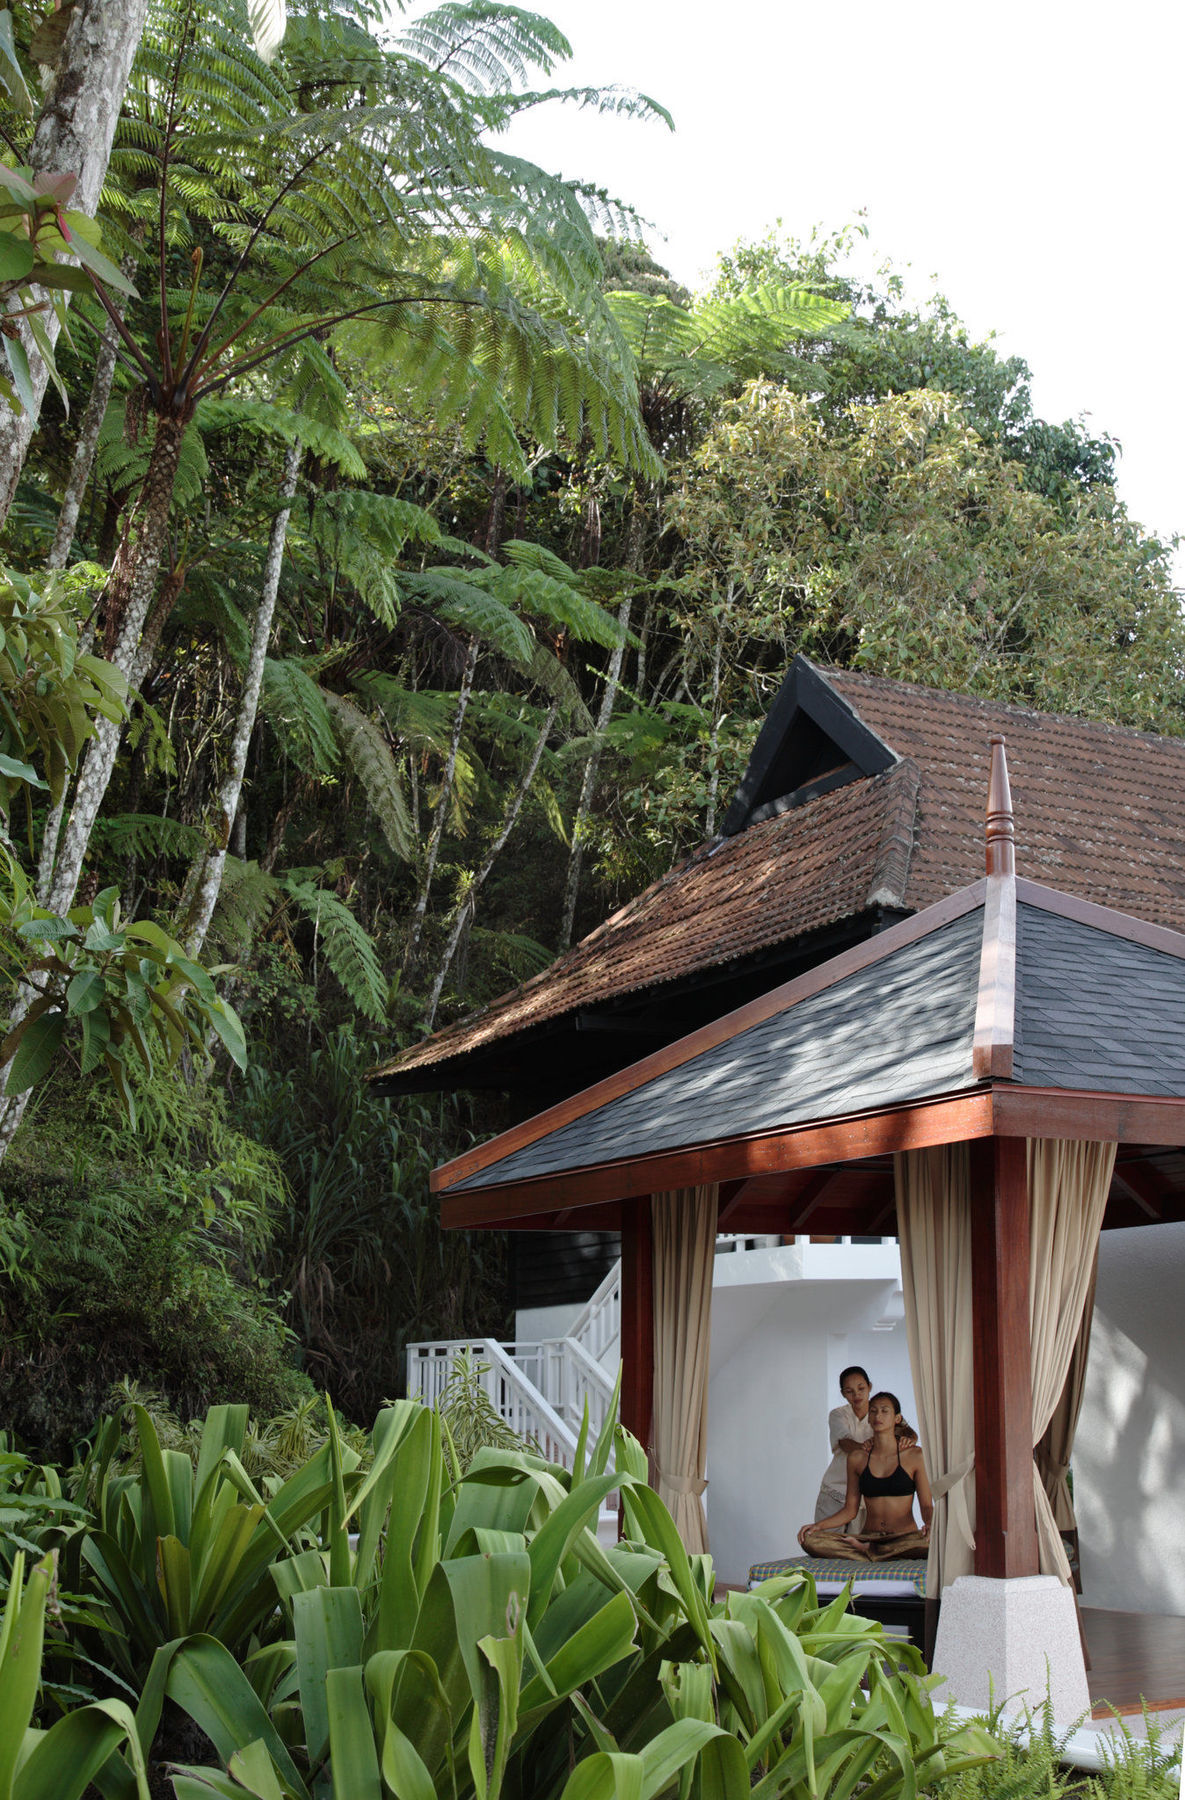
[1068,1187]
[934,1223]
[1056,1446]
[684,1258]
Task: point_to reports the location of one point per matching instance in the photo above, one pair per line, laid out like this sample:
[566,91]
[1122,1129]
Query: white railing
[597,1326]
[568,1378]
[515,1397]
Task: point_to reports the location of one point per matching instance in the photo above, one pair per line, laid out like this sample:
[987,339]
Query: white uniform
[841,1423]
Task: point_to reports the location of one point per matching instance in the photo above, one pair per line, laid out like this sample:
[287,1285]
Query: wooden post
[1005,1517]
[637,1320]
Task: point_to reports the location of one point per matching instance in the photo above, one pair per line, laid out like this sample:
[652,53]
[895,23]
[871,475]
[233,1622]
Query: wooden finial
[1001,835]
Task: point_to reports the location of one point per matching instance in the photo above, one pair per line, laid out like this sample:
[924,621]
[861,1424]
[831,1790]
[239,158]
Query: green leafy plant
[38,238]
[62,1761]
[465,1633]
[130,986]
[175,1549]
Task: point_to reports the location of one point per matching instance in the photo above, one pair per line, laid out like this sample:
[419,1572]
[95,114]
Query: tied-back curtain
[1068,1186]
[934,1223]
[1054,1450]
[684,1223]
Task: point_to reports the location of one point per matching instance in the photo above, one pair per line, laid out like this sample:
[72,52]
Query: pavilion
[996,1078]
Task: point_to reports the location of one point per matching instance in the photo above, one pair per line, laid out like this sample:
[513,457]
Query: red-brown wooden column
[637,1320]
[1005,1519]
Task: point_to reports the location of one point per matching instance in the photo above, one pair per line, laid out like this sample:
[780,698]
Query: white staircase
[540,1388]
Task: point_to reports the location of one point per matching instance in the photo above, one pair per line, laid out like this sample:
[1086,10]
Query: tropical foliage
[400,593]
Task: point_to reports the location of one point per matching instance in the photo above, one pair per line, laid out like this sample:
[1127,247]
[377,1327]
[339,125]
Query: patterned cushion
[839,1569]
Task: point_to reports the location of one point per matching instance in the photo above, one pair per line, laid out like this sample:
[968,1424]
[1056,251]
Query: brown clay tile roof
[1100,812]
[828,860]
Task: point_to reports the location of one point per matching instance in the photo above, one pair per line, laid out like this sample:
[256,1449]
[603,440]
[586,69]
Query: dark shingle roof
[896,1031]
[1096,1011]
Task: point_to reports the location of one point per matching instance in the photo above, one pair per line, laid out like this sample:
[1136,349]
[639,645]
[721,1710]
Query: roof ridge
[974,702]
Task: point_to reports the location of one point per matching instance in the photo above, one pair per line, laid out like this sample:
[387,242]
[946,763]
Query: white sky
[1028,156]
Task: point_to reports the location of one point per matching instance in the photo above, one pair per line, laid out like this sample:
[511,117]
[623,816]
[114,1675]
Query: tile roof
[1100,810]
[843,853]
[1100,813]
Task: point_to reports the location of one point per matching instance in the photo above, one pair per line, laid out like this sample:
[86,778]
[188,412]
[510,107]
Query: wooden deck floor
[1134,1657]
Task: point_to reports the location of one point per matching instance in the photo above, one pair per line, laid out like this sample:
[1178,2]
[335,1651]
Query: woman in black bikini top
[878,1487]
[890,1528]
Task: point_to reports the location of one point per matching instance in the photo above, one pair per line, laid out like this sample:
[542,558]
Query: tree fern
[295,708]
[368,753]
[347,947]
[244,896]
[150,834]
[230,413]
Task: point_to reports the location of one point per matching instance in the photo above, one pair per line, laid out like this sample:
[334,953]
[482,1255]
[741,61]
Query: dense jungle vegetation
[392,586]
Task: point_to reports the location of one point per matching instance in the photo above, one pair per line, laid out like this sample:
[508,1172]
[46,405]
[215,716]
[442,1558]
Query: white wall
[1129,1457]
[534,1324]
[777,1350]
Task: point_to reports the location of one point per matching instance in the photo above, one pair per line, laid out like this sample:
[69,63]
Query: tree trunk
[714,734]
[129,593]
[441,812]
[73,136]
[589,779]
[464,912]
[88,443]
[209,880]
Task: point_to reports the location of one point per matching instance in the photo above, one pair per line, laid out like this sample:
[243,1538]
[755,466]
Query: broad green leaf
[39,1044]
[328,1626]
[85,992]
[17,255]
[353,1757]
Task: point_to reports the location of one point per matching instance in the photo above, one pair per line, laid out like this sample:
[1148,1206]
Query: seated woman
[884,1475]
[849,1429]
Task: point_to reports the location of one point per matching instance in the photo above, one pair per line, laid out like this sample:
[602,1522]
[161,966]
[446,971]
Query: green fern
[346,945]
[150,834]
[330,445]
[365,748]
[296,709]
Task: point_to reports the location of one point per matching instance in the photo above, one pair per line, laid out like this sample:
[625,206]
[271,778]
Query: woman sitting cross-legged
[886,1475]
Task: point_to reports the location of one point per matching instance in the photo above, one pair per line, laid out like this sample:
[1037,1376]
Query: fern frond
[520,956]
[244,897]
[149,834]
[346,945]
[240,415]
[467,602]
[295,707]
[368,753]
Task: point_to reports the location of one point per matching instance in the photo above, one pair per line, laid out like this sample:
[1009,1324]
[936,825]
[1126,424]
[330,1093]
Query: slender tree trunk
[129,594]
[209,880]
[88,443]
[714,734]
[73,136]
[588,780]
[465,909]
[447,780]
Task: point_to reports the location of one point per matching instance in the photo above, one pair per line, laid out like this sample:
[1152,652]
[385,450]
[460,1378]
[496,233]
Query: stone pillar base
[1009,1643]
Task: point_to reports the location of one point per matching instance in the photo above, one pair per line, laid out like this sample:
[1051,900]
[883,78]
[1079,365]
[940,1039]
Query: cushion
[906,1573]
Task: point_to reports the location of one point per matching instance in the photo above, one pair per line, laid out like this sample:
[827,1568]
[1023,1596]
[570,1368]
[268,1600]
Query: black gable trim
[811,741]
